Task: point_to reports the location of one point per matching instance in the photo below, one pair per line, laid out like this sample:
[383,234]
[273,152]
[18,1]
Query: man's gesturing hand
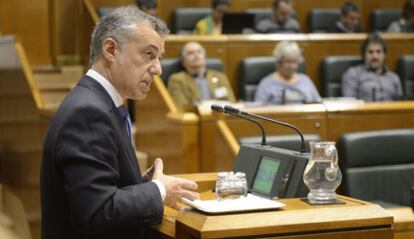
[176,188]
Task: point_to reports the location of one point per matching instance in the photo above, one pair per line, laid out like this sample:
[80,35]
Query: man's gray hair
[119,25]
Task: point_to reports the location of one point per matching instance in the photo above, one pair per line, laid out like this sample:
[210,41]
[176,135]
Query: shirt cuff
[161,187]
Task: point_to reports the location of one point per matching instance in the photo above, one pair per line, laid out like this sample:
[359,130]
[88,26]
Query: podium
[354,219]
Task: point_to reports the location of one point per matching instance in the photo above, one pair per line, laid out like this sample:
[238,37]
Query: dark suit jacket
[91,186]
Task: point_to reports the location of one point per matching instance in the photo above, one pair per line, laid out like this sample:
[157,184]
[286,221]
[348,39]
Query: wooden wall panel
[29,20]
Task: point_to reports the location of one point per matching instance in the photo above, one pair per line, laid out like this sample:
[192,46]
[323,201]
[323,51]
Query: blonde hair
[287,48]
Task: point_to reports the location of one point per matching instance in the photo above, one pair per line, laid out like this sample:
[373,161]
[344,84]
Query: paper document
[249,203]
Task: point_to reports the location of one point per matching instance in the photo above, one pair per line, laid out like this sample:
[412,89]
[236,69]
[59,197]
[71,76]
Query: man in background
[349,21]
[372,81]
[282,20]
[196,83]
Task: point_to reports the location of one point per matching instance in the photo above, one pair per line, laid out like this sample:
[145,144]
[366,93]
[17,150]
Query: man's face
[194,55]
[134,65]
[351,21]
[283,12]
[375,56]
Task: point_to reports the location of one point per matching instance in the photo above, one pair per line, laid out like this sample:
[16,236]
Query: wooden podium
[354,219]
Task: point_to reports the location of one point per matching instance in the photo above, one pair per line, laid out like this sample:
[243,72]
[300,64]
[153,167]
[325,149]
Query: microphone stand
[234,111]
[220,109]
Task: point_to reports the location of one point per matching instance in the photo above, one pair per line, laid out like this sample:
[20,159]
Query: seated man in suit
[372,81]
[197,83]
[282,20]
[91,186]
[349,21]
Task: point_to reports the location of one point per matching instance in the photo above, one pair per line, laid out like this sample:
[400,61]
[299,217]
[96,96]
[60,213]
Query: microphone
[237,112]
[220,109]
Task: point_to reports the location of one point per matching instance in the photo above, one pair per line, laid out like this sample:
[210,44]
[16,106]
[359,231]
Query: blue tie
[123,113]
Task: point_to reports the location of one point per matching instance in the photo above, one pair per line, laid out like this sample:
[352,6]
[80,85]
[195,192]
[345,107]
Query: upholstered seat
[406,71]
[185,19]
[382,18]
[332,69]
[323,19]
[378,165]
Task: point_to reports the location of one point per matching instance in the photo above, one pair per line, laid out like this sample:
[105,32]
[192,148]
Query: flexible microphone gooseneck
[220,109]
[237,112]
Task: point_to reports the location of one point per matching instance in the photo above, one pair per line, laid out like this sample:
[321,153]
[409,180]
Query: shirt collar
[109,88]
[384,69]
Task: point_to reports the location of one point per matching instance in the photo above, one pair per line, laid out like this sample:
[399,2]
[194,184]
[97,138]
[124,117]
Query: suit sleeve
[225,82]
[87,152]
[175,87]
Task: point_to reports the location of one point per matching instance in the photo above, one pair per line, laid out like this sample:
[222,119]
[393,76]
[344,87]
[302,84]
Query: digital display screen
[265,175]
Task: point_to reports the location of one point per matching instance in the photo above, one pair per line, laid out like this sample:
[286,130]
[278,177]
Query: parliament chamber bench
[204,142]
[302,8]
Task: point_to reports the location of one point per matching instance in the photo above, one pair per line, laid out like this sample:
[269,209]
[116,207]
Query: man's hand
[176,188]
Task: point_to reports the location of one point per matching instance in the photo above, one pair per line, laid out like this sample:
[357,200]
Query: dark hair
[148,4]
[277,2]
[348,7]
[373,38]
[407,10]
[215,3]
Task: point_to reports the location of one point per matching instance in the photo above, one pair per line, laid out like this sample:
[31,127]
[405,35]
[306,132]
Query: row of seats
[253,69]
[377,166]
[320,20]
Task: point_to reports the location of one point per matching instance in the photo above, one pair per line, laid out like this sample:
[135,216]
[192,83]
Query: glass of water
[230,185]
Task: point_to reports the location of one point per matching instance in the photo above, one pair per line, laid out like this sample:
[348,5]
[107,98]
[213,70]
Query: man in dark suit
[91,186]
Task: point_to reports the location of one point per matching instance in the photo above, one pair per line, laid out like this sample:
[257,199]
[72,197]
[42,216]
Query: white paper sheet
[249,203]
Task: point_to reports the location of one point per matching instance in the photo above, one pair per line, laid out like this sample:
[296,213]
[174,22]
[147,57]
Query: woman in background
[286,85]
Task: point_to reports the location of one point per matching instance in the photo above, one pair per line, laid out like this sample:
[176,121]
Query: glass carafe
[322,175]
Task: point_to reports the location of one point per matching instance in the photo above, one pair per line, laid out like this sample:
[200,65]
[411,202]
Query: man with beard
[372,81]
[196,83]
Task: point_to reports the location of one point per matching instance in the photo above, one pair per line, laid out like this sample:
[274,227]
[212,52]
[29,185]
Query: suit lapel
[125,141]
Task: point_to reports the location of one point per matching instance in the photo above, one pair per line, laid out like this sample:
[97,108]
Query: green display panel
[265,175]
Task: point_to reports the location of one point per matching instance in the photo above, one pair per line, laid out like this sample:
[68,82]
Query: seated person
[281,21]
[286,85]
[372,81]
[197,83]
[349,21]
[406,23]
[148,6]
[213,24]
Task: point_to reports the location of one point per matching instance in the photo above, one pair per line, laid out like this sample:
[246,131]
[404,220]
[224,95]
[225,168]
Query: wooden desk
[403,222]
[355,219]
[296,218]
[353,117]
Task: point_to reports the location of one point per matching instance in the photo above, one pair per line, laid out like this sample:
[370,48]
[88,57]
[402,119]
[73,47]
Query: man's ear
[109,46]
